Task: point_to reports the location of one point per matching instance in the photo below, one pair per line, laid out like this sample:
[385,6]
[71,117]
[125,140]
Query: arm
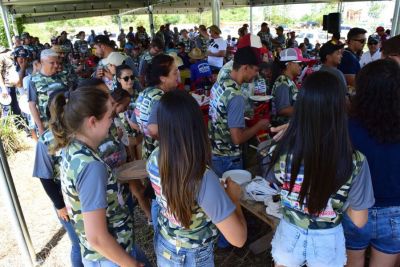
[350,79]
[220,53]
[102,241]
[36,117]
[234,227]
[287,112]
[241,135]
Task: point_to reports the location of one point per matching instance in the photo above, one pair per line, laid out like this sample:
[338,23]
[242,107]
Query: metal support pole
[11,199]
[14,26]
[5,22]
[119,22]
[151,21]
[251,18]
[215,6]
[396,19]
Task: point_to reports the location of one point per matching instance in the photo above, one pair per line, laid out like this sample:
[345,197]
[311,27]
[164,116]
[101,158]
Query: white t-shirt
[215,46]
[367,58]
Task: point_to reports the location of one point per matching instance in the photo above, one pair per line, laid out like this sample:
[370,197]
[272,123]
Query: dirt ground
[52,245]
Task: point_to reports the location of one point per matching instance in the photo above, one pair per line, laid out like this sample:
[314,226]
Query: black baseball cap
[102,39]
[373,40]
[328,48]
[248,56]
[20,51]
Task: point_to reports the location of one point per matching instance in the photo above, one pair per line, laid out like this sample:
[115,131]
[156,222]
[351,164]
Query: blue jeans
[136,252]
[221,164]
[168,256]
[382,231]
[14,107]
[76,258]
[295,246]
[155,209]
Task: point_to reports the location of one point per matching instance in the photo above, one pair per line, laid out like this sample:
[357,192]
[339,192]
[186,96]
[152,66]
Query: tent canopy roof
[33,11]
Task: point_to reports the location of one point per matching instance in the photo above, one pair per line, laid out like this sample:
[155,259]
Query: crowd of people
[93,106]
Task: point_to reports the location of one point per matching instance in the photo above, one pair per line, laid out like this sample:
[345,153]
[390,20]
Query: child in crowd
[194,206]
[91,191]
[321,177]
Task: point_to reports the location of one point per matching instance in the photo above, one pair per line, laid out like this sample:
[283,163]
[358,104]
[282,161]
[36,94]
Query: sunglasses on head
[126,78]
[362,41]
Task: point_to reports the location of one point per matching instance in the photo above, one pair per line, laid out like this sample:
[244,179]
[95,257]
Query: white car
[314,37]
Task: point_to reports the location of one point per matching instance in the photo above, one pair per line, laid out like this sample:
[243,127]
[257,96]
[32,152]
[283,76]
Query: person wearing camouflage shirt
[265,35]
[66,69]
[43,85]
[186,41]
[91,191]
[284,90]
[156,48]
[47,169]
[322,178]
[226,127]
[202,39]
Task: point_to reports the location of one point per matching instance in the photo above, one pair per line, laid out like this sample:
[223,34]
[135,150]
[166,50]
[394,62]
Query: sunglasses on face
[362,41]
[126,78]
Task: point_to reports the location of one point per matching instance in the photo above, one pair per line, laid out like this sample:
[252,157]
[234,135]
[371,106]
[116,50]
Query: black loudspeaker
[334,22]
[325,23]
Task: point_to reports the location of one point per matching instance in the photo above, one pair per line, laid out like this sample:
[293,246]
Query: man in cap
[168,35]
[227,128]
[373,52]
[265,34]
[63,40]
[391,48]
[331,55]
[130,36]
[382,34]
[279,40]
[23,66]
[8,80]
[27,44]
[216,48]
[350,64]
[284,89]
[43,86]
[66,72]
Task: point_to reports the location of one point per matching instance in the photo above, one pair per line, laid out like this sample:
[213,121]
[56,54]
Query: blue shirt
[383,160]
[350,63]
[200,69]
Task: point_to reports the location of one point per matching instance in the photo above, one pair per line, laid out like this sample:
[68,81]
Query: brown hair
[160,66]
[184,152]
[67,115]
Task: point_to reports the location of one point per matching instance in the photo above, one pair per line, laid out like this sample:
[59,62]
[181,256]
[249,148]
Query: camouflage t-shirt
[144,105]
[41,89]
[75,158]
[295,213]
[218,130]
[211,200]
[284,82]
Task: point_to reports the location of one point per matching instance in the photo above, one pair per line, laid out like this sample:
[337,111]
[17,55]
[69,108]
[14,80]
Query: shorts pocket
[168,257]
[354,232]
[285,238]
[395,225]
[205,256]
[324,247]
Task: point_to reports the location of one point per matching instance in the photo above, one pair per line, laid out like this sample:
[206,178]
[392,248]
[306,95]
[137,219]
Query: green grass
[12,134]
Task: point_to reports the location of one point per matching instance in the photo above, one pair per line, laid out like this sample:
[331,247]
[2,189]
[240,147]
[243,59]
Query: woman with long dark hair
[321,177]
[194,206]
[375,131]
[91,191]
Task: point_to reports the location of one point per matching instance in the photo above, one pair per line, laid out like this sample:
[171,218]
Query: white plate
[238,176]
[261,98]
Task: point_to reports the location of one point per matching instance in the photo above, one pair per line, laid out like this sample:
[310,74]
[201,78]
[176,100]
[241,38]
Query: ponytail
[68,115]
[57,124]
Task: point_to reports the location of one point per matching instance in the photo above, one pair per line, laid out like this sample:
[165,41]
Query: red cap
[380,29]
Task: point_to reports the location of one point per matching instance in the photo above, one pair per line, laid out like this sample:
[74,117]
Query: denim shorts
[295,246]
[168,256]
[221,164]
[382,231]
[136,252]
